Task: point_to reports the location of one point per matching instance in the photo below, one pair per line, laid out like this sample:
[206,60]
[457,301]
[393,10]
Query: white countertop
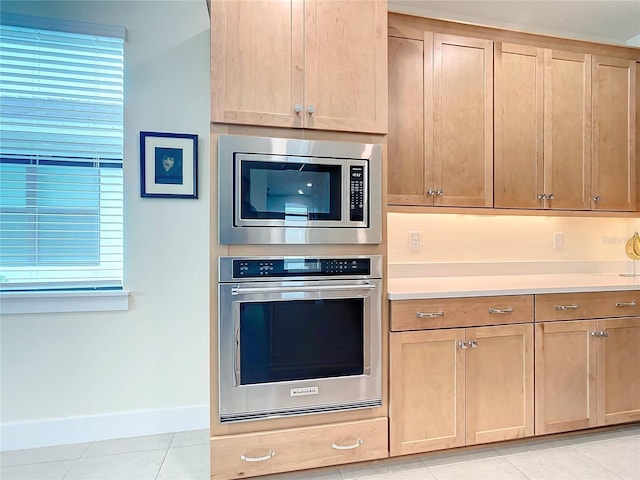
[480,286]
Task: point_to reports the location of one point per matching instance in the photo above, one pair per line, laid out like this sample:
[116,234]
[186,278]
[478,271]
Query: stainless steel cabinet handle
[439,192]
[597,198]
[325,288]
[550,196]
[269,455]
[473,344]
[501,310]
[311,109]
[462,345]
[566,307]
[431,192]
[594,333]
[429,314]
[297,108]
[346,447]
[542,196]
[603,333]
[626,304]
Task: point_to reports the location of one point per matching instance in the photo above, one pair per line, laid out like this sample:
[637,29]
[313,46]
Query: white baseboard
[68,430]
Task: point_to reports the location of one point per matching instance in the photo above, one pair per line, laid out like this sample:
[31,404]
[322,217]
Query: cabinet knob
[462,345]
[311,109]
[431,192]
[297,108]
[550,196]
[597,198]
[473,343]
[439,192]
[542,196]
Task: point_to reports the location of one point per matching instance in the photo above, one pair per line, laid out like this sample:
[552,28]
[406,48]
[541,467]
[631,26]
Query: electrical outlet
[558,240]
[415,240]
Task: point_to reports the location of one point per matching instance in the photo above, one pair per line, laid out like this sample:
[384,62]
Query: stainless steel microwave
[286,191]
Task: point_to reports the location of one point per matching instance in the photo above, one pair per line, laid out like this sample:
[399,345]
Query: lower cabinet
[587,373]
[262,453]
[461,386]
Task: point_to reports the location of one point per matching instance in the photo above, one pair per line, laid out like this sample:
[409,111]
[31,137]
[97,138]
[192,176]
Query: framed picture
[168,165]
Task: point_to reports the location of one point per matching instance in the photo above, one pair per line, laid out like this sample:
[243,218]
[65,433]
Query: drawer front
[253,454]
[574,306]
[460,312]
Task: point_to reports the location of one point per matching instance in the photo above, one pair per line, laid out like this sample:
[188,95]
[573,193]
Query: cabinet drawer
[252,454]
[574,306]
[460,312]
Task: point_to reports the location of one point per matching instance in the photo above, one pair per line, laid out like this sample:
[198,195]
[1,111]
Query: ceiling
[610,21]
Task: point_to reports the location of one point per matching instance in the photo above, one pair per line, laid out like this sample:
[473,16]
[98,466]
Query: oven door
[289,348]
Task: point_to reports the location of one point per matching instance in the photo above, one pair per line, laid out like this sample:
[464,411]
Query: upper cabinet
[542,128]
[319,64]
[614,117]
[440,140]
[565,126]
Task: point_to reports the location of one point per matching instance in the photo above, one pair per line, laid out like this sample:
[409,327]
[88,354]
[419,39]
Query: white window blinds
[61,148]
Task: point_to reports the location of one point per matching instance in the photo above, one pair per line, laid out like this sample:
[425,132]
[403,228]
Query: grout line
[163,460]
[596,460]
[77,460]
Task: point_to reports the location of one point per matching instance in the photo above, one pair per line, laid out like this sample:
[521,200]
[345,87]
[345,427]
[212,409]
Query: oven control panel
[356,187]
[300,267]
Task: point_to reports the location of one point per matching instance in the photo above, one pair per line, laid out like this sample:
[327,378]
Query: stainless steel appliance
[285,191]
[298,335]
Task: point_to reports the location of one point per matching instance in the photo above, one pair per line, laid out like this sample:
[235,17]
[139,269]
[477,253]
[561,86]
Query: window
[61,149]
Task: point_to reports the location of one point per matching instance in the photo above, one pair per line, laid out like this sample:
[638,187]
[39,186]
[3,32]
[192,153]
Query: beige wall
[504,238]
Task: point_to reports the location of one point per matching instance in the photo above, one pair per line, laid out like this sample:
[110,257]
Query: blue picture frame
[168,165]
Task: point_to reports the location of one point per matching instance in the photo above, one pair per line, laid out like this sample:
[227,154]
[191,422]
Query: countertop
[410,288]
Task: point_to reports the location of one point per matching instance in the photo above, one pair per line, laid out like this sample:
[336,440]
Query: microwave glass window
[290,191]
[301,340]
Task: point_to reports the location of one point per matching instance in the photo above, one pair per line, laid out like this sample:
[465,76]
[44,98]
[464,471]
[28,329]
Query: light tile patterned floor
[600,454]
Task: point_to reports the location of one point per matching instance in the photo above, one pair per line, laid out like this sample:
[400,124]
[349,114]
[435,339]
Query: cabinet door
[618,371]
[257,62]
[499,383]
[345,65]
[463,121]
[410,140]
[565,376]
[567,131]
[518,176]
[613,183]
[426,391]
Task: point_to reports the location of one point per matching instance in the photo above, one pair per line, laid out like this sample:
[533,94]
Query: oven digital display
[301,265]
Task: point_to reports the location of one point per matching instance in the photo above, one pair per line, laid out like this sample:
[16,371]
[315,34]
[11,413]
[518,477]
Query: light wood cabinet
[461,386]
[440,140]
[586,370]
[543,134]
[316,64]
[262,453]
[614,155]
[587,374]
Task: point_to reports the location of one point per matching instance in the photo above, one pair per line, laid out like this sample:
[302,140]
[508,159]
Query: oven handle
[325,288]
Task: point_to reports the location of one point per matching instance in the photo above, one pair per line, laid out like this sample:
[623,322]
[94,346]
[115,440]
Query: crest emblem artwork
[168,165]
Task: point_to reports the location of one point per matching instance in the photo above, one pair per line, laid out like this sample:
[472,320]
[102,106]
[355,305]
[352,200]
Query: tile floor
[600,454]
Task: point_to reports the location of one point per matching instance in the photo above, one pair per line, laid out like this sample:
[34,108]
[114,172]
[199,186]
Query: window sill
[63,302]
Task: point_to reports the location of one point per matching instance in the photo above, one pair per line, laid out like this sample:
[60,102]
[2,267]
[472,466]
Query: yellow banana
[636,244]
[630,247]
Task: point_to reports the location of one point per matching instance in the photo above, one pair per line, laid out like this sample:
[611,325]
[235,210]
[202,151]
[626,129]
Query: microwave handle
[241,290]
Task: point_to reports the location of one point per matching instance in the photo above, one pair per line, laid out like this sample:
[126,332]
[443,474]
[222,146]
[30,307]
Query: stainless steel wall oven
[298,335]
[286,191]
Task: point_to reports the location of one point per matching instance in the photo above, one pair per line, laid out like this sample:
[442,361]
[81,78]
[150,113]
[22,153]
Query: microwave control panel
[300,267]
[356,197]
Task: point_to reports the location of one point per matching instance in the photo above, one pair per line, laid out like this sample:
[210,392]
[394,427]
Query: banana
[636,244]
[632,247]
